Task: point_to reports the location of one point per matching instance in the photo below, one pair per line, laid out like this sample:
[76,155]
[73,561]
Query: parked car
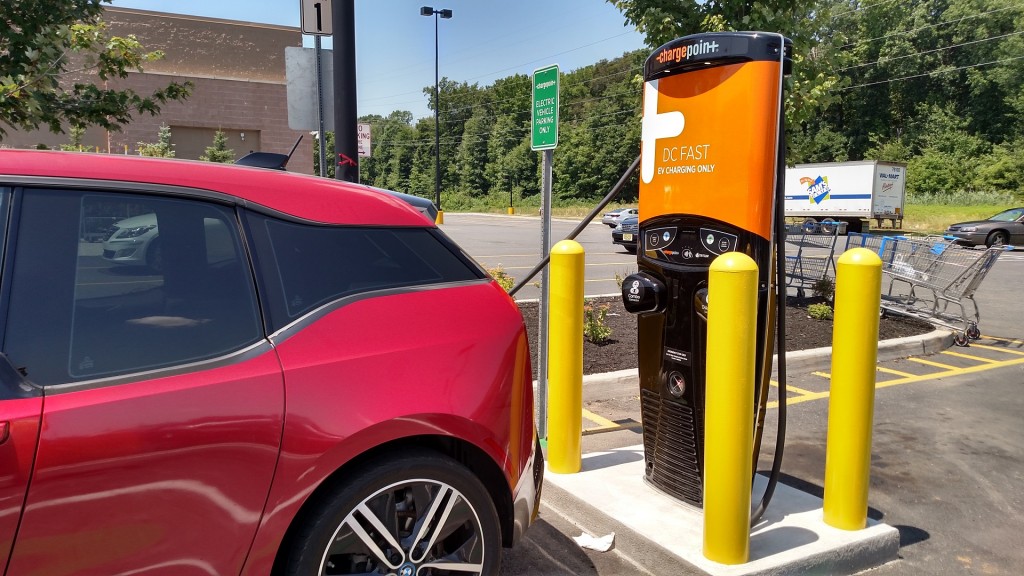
[627,233]
[613,217]
[1007,227]
[271,399]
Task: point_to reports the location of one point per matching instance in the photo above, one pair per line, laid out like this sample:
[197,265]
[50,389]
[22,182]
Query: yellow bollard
[440,218]
[852,396]
[511,210]
[729,407]
[565,358]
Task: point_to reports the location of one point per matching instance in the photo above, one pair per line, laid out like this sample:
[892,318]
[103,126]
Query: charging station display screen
[709,144]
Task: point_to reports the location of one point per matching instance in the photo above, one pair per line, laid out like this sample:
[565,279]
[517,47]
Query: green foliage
[502,277]
[162,148]
[219,151]
[824,288]
[595,324]
[75,145]
[938,85]
[820,311]
[43,40]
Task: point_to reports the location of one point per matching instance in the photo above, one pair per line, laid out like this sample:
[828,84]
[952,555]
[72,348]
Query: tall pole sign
[544,138]
[545,109]
[316,17]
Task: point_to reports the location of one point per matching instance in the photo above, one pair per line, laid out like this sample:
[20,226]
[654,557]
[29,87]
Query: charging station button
[659,238]
[716,241]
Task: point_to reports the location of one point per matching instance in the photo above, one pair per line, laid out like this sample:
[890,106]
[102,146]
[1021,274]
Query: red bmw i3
[300,376]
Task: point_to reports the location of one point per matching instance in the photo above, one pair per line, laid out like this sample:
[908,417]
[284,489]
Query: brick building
[238,69]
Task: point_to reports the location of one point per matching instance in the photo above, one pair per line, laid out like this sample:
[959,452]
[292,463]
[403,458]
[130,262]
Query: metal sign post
[544,115]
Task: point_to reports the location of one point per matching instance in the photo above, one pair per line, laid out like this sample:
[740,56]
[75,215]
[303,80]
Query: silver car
[614,217]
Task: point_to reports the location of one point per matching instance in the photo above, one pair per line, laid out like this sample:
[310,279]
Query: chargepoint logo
[655,127]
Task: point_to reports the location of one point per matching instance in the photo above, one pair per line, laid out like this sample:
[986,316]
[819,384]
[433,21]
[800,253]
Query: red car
[315,380]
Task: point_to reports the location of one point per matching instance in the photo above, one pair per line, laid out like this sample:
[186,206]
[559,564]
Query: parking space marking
[605,425]
[948,371]
[825,375]
[789,388]
[996,349]
[969,357]
[894,372]
[931,363]
[1010,340]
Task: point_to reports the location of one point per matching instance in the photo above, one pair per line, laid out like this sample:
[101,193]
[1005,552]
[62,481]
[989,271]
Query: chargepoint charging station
[711,164]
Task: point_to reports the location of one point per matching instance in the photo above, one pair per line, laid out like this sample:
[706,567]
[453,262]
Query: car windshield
[1008,215]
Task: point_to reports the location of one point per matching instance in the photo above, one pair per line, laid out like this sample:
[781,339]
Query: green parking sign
[545,109]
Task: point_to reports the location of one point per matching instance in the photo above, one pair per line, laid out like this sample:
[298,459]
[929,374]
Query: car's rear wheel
[997,238]
[402,515]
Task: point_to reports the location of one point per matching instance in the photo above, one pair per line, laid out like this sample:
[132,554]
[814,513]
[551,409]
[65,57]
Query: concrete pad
[791,538]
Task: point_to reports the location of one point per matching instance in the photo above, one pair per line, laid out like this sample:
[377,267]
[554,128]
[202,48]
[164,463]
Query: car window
[108,284]
[312,265]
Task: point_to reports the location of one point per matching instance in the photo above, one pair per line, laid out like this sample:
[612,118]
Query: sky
[485,40]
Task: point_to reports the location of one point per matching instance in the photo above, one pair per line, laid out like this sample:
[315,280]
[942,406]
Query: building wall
[240,87]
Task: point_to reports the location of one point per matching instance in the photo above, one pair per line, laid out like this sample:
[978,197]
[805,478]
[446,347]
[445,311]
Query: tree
[43,42]
[219,151]
[162,148]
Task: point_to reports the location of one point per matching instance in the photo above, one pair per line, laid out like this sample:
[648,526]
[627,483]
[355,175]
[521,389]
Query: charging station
[711,173]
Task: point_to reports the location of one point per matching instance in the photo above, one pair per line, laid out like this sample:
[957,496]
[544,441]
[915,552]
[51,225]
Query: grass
[920,218]
[935,218]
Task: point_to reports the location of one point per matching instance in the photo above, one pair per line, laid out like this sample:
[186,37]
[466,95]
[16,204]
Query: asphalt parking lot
[948,445]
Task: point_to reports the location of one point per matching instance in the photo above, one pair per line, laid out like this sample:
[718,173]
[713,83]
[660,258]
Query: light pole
[429,11]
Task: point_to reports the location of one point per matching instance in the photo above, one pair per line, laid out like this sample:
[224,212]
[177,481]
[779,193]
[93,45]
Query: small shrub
[824,288]
[620,278]
[502,277]
[820,311]
[595,327]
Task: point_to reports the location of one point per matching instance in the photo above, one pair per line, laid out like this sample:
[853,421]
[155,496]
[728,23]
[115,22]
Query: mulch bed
[619,351]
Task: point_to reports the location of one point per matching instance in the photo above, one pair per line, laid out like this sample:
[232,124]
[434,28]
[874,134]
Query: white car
[134,241]
[614,217]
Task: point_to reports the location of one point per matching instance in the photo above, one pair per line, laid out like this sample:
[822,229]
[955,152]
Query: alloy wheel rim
[406,528]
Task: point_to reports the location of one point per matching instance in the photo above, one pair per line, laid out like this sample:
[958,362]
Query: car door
[163,401]
[21,406]
[1017,230]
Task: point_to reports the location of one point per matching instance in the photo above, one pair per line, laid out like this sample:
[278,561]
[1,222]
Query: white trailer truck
[850,192]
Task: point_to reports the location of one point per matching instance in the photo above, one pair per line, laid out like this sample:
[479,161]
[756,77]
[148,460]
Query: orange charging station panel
[710,172]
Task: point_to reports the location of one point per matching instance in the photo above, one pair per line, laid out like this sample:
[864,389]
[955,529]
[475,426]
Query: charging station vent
[671,439]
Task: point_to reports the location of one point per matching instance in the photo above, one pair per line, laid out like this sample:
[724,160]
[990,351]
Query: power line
[885,60]
[933,73]
[937,24]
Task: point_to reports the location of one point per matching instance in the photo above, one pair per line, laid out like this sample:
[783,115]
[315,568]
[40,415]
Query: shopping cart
[810,249]
[931,278]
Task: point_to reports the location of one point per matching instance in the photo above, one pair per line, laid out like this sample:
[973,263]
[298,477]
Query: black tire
[631,249]
[828,226]
[960,339]
[997,238]
[808,225]
[397,494]
[973,332]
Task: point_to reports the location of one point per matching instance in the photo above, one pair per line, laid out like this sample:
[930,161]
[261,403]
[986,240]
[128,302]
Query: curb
[816,359]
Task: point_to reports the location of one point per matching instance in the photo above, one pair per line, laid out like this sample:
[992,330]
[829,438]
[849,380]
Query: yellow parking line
[952,371]
[894,372]
[970,357]
[1010,340]
[599,420]
[823,374]
[789,388]
[996,348]
[931,363]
